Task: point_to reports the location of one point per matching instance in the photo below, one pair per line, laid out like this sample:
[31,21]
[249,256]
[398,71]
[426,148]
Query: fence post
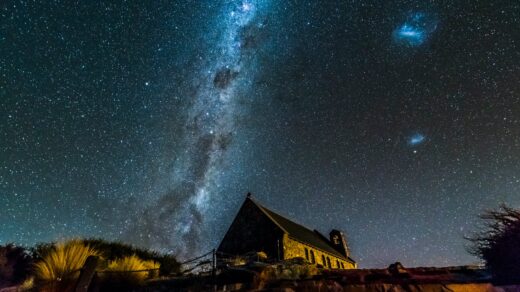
[213,260]
[214,269]
[86,274]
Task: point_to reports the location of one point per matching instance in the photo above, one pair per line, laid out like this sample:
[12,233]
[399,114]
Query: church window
[337,264]
[323,260]
[328,263]
[306,254]
[313,259]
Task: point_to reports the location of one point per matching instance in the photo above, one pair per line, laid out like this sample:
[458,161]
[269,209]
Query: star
[246,6]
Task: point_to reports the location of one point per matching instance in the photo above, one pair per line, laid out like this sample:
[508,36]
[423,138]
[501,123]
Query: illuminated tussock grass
[27,284]
[63,261]
[130,269]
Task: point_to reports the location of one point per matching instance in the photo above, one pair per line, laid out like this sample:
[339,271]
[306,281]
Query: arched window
[328,263]
[313,259]
[337,264]
[306,254]
[323,260]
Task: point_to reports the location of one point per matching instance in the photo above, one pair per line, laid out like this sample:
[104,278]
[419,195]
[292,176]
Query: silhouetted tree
[499,244]
[15,264]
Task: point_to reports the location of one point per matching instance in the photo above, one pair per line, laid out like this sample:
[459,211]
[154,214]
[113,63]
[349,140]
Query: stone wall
[293,248]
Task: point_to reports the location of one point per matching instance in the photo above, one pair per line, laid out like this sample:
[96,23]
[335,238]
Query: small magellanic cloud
[416,139]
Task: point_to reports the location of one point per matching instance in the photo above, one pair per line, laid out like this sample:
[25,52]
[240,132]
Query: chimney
[339,242]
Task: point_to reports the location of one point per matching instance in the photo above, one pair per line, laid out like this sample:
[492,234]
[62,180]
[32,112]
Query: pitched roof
[300,232]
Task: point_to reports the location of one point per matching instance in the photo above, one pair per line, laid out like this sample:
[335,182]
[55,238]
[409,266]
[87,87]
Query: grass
[130,270]
[64,261]
[27,285]
[57,265]
[118,250]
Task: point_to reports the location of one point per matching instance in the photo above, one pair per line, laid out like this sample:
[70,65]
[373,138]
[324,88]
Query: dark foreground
[395,279]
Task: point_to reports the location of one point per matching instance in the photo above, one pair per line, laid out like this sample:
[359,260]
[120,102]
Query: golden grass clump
[261,256]
[27,284]
[130,270]
[63,262]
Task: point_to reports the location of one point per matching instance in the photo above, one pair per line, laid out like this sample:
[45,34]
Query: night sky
[148,121]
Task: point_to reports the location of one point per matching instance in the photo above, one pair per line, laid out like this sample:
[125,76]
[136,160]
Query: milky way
[225,73]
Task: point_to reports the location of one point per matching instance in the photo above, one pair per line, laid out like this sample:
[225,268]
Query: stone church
[258,229]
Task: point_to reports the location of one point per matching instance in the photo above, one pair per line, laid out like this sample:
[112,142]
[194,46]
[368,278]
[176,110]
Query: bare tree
[498,244]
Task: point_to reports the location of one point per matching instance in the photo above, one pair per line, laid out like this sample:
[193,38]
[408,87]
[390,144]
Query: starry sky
[148,121]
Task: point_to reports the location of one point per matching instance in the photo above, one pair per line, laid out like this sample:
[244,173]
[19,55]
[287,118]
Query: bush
[59,266]
[124,270]
[15,264]
[169,265]
[499,244]
[116,250]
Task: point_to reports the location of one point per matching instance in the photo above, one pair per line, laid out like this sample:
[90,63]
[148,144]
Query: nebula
[224,77]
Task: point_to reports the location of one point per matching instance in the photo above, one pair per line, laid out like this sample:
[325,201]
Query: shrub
[499,244]
[15,264]
[59,266]
[129,271]
[117,250]
[169,265]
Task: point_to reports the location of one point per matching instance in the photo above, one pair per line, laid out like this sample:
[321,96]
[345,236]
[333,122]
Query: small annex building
[258,229]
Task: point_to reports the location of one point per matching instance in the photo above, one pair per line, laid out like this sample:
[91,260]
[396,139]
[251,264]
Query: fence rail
[202,264]
[133,271]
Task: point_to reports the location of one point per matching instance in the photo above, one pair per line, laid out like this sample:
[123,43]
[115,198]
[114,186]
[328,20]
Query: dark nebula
[224,77]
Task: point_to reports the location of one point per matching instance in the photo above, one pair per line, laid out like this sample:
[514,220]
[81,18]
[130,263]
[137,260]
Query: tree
[499,244]
[15,264]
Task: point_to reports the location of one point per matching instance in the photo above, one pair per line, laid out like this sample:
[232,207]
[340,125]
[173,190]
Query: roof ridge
[283,216]
[263,209]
